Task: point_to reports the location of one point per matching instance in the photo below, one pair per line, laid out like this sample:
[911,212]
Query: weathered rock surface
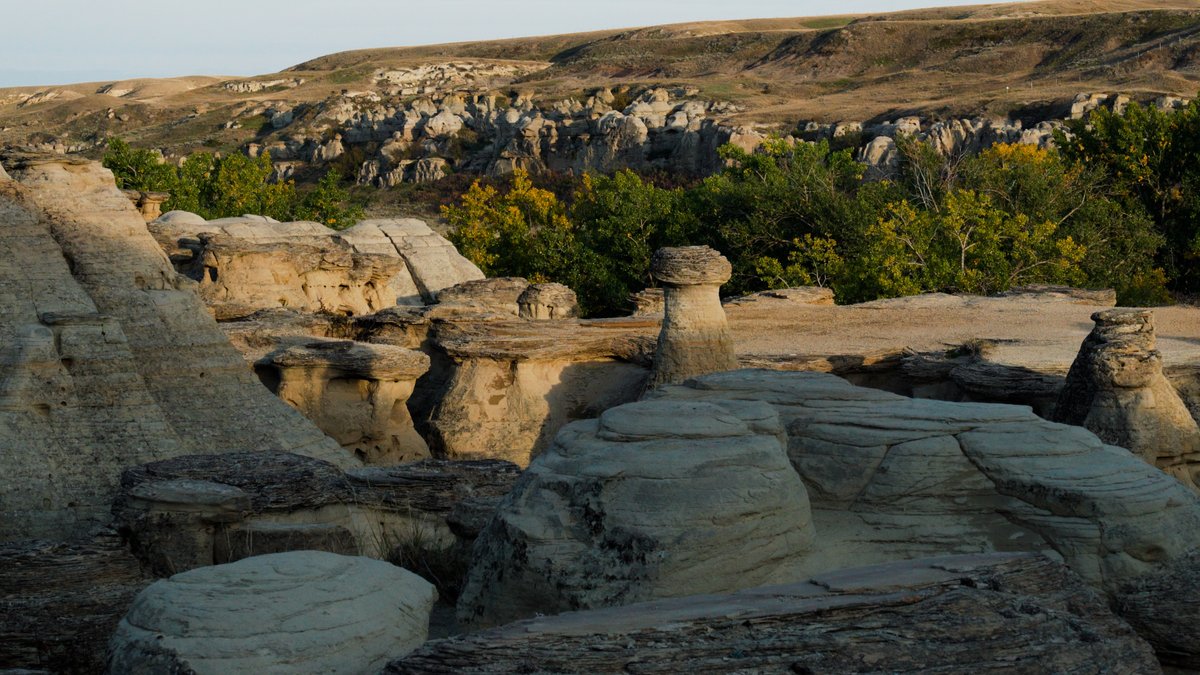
[237,277]
[1013,612]
[433,261]
[695,338]
[547,302]
[509,386]
[891,478]
[354,391]
[655,499]
[494,295]
[60,602]
[298,612]
[202,510]
[109,357]
[252,263]
[1117,390]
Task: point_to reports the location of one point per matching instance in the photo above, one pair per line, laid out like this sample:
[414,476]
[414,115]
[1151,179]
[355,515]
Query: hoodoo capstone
[695,338]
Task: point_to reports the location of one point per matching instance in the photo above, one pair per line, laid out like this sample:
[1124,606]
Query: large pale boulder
[298,612]
[354,391]
[653,500]
[109,357]
[695,338]
[1117,390]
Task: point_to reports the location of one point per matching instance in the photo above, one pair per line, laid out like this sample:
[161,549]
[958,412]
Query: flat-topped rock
[297,612]
[354,391]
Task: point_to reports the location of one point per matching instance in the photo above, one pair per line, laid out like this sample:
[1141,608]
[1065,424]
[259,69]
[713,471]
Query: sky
[63,41]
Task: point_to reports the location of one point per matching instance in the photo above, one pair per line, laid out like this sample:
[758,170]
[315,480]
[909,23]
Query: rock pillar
[1117,390]
[353,391]
[695,339]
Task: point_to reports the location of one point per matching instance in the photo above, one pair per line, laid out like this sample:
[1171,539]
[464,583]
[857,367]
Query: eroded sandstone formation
[354,391]
[892,478]
[1014,612]
[655,499]
[252,263]
[508,386]
[695,338]
[1116,389]
[547,302]
[202,510]
[110,358]
[304,611]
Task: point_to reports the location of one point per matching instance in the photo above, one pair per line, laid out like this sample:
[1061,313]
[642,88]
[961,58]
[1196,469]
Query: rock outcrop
[547,302]
[203,510]
[695,338]
[894,478]
[110,358]
[508,386]
[1018,613]
[251,263]
[305,611]
[1117,390]
[354,391]
[655,499]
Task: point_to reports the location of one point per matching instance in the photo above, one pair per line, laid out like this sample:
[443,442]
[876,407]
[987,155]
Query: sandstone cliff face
[110,357]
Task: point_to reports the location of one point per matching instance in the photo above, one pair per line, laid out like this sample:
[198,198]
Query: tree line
[1113,204]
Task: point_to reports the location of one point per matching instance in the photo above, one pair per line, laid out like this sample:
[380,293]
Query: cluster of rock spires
[422,139]
[663,487]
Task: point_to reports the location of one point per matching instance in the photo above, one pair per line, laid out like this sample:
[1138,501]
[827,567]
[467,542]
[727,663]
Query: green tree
[329,203]
[1152,159]
[138,169]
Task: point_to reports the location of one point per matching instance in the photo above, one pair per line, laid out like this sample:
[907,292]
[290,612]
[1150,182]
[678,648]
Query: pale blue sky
[60,41]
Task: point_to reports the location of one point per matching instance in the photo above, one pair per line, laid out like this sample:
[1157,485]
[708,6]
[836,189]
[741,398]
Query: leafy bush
[801,213]
[230,185]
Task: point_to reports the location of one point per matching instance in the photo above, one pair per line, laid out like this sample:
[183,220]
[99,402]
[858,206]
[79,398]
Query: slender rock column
[1117,390]
[695,339]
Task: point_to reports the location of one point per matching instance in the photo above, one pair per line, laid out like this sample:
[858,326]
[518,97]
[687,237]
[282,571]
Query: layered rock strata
[62,601]
[952,614]
[1117,390]
[305,611]
[355,392]
[695,338]
[110,358]
[202,510]
[655,499]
